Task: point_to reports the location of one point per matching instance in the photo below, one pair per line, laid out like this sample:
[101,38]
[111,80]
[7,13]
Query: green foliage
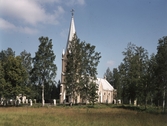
[15,71]
[18,77]
[117,83]
[26,61]
[161,71]
[44,69]
[92,92]
[114,77]
[14,75]
[135,65]
[81,67]
[5,53]
[109,76]
[2,80]
[73,67]
[143,78]
[27,64]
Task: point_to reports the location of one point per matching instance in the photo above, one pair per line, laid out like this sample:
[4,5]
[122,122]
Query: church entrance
[67,98]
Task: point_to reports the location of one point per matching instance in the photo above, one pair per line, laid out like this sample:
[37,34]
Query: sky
[109,25]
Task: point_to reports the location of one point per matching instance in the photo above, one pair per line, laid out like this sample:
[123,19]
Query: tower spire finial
[72,12]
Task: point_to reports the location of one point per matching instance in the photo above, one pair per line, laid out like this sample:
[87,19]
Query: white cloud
[67,2]
[110,63]
[5,25]
[81,2]
[48,1]
[27,15]
[74,2]
[29,11]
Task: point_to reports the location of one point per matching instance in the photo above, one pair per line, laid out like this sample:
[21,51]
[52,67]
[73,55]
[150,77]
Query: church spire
[71,30]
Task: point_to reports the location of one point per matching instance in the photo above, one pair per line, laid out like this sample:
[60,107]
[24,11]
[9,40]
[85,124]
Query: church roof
[105,84]
[71,32]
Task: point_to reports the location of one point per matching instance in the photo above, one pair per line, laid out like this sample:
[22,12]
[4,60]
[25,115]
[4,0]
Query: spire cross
[72,12]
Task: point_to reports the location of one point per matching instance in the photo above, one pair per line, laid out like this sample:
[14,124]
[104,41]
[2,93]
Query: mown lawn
[78,116]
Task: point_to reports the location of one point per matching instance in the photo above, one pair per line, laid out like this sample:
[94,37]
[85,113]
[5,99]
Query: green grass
[99,115]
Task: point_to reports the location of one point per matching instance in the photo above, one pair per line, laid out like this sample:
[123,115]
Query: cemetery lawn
[78,116]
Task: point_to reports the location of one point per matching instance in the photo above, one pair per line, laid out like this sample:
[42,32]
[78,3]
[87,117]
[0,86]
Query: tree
[56,91]
[88,73]
[15,75]
[2,81]
[44,69]
[115,78]
[149,80]
[130,66]
[73,67]
[81,68]
[12,75]
[135,63]
[5,53]
[109,76]
[123,83]
[143,84]
[27,64]
[26,61]
[92,92]
[161,59]
[117,83]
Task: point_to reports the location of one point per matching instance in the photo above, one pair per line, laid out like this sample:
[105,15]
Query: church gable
[105,91]
[105,84]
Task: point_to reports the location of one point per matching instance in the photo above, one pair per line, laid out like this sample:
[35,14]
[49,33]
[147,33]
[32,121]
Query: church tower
[64,58]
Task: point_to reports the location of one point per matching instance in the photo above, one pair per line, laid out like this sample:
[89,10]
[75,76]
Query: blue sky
[109,25]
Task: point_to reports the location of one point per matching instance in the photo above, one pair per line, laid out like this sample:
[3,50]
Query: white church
[105,90]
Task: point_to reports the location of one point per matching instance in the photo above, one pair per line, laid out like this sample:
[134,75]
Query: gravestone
[130,102]
[11,102]
[119,101]
[114,101]
[35,101]
[135,102]
[54,102]
[30,102]
[26,101]
[19,101]
[23,99]
[1,102]
[70,103]
[5,103]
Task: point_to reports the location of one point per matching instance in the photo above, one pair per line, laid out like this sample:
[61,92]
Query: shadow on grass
[149,109]
[152,110]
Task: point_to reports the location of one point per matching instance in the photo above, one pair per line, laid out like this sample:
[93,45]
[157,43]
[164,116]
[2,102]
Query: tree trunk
[164,100]
[145,103]
[43,101]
